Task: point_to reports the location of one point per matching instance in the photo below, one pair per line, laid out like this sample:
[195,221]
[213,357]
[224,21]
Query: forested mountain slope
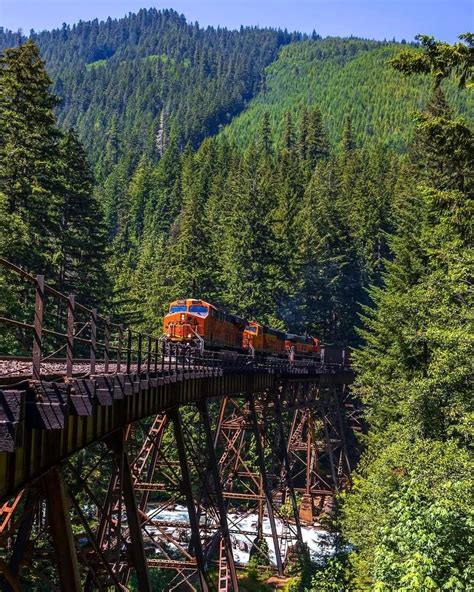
[127,84]
[342,77]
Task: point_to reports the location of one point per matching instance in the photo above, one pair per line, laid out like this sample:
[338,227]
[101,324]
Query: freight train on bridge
[196,322]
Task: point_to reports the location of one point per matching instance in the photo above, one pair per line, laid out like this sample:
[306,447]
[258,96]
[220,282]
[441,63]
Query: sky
[377,19]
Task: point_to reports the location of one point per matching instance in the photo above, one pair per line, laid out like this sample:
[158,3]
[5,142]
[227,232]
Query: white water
[320,542]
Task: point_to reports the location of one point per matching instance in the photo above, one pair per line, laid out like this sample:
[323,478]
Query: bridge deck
[42,423]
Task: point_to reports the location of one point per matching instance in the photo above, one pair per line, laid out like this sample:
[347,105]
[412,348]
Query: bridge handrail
[114,334]
[47,288]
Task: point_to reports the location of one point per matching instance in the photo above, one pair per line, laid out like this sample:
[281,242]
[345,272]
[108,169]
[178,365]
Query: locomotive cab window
[177,308]
[199,309]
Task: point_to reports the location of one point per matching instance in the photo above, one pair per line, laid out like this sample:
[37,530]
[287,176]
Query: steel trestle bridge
[106,432]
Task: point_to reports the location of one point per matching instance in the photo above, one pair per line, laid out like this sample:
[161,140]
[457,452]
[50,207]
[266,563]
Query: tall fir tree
[82,229]
[264,139]
[29,157]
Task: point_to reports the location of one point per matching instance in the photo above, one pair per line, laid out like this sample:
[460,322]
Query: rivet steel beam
[329,446]
[61,531]
[21,540]
[288,477]
[204,413]
[136,540]
[175,416]
[266,488]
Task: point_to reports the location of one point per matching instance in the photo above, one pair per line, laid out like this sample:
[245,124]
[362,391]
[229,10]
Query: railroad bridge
[120,455]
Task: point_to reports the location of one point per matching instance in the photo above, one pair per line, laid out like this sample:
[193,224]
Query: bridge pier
[265,484]
[187,487]
[137,549]
[287,469]
[61,532]
[227,571]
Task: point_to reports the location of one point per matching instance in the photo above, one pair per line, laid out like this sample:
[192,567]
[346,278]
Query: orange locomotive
[263,339]
[301,345]
[192,320]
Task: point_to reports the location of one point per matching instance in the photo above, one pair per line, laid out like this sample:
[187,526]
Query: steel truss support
[187,490]
[204,460]
[12,572]
[317,447]
[108,532]
[61,531]
[137,549]
[287,469]
[227,556]
[265,484]
[243,485]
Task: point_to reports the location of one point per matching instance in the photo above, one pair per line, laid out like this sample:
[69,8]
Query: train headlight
[168,335]
[183,317]
[190,335]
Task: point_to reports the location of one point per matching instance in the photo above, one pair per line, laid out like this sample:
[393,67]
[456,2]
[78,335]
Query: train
[193,321]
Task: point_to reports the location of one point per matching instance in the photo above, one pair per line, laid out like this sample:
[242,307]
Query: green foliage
[341,77]
[117,77]
[159,579]
[409,515]
[82,232]
[288,216]
[253,583]
[96,64]
[29,158]
[333,576]
[439,59]
[290,236]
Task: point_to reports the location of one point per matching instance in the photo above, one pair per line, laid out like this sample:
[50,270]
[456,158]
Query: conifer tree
[303,136]
[29,157]
[414,376]
[138,190]
[187,245]
[329,280]
[347,141]
[439,59]
[264,139]
[82,229]
[289,133]
[247,242]
[165,193]
[317,142]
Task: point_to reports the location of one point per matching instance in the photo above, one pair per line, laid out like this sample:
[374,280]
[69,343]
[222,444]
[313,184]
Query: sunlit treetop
[440,60]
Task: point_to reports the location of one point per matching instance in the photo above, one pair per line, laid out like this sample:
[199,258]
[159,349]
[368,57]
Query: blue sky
[377,19]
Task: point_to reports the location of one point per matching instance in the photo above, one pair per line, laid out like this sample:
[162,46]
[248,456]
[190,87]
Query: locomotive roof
[197,301]
[300,338]
[268,329]
[189,301]
[238,319]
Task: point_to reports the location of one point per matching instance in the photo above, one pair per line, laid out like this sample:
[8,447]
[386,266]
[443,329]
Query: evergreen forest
[319,185]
